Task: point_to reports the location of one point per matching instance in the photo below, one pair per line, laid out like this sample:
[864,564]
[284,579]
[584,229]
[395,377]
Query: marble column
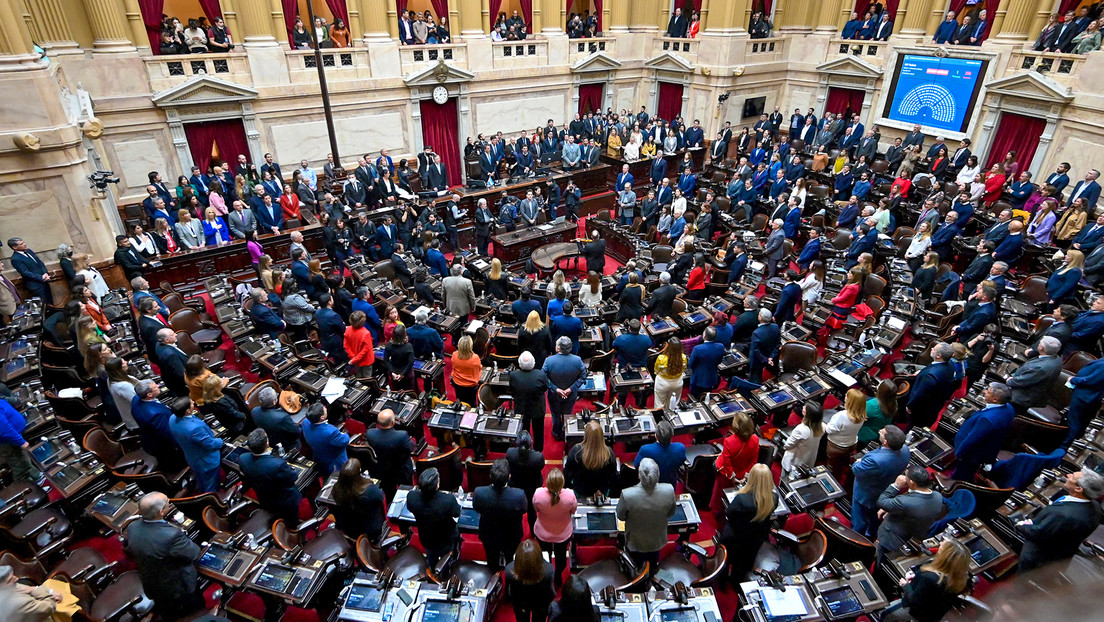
[795,17]
[828,19]
[139,34]
[912,18]
[16,48]
[373,19]
[256,24]
[938,13]
[1042,14]
[553,19]
[485,16]
[50,26]
[643,15]
[728,16]
[471,19]
[1013,21]
[109,27]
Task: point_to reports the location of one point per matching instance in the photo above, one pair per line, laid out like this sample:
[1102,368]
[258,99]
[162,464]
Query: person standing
[326,441]
[876,470]
[669,368]
[359,504]
[166,559]
[646,508]
[555,506]
[667,454]
[566,375]
[393,449]
[1088,390]
[526,468]
[981,436]
[13,447]
[529,583]
[739,452]
[931,592]
[528,386]
[1055,532]
[932,388]
[36,278]
[908,508]
[200,445]
[501,508]
[842,431]
[271,478]
[748,521]
[435,514]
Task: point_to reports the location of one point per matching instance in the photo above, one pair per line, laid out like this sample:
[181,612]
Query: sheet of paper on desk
[334,389]
[689,417]
[545,227]
[896,323]
[423,308]
[843,378]
[779,603]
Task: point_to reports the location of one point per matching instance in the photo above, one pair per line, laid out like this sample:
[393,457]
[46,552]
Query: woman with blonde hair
[466,370]
[88,333]
[215,231]
[222,407]
[669,368]
[920,244]
[748,521]
[591,466]
[121,386]
[843,432]
[164,237]
[590,295]
[555,506]
[496,280]
[930,593]
[1062,285]
[93,280]
[189,231]
[264,272]
[534,337]
[242,189]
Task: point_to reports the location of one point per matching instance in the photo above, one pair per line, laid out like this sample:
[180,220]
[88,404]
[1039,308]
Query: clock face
[440,94]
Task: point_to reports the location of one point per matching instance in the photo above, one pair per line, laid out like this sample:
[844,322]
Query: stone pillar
[727,16]
[794,17]
[139,34]
[374,16]
[471,19]
[912,18]
[553,18]
[487,18]
[663,15]
[1042,14]
[16,48]
[1013,21]
[275,13]
[109,26]
[256,24]
[50,26]
[828,18]
[643,16]
[938,14]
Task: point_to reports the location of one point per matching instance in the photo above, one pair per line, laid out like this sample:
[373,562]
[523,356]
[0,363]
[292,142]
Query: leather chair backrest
[185,320]
[447,464]
[479,474]
[173,301]
[108,451]
[27,569]
[252,397]
[185,342]
[384,270]
[797,355]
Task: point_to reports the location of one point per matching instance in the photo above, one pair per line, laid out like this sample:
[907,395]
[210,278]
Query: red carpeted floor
[471,548]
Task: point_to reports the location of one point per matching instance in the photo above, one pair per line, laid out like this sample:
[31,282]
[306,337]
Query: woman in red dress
[739,453]
[994,184]
[289,202]
[695,284]
[845,300]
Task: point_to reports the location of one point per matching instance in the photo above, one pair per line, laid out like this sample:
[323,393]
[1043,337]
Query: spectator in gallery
[218,37]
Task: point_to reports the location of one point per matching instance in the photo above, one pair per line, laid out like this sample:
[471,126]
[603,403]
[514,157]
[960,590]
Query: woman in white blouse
[843,432]
[678,204]
[631,149]
[966,176]
[670,144]
[590,295]
[804,441]
[143,242]
[811,285]
[920,244]
[93,280]
[800,191]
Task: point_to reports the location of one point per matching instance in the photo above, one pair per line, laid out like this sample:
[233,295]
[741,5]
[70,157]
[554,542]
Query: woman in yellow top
[649,149]
[613,145]
[669,367]
[841,161]
[1071,223]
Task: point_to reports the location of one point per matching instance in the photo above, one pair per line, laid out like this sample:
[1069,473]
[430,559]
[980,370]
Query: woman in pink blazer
[555,507]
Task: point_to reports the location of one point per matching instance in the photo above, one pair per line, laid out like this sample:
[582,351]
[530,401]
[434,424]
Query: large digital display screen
[934,92]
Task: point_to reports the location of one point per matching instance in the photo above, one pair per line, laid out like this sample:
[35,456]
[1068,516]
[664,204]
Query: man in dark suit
[125,257]
[1088,391]
[1034,381]
[528,386]
[501,509]
[719,150]
[942,241]
[808,132]
[883,29]
[355,193]
[149,323]
[873,473]
[331,329]
[152,418]
[1062,39]
[270,216]
[867,146]
[282,430]
[915,137]
[765,344]
[436,177]
[865,239]
[1090,236]
[171,360]
[980,437]
[393,449]
[932,388]
[264,317]
[386,236]
[961,155]
[788,299]
[1057,531]
[962,35]
[402,271]
[435,514]
[659,303]
[678,25]
[271,478]
[977,31]
[979,268]
[695,136]
[658,170]
[595,253]
[1087,189]
[35,275]
[982,315]
[773,249]
[908,507]
[705,359]
[745,324]
[166,559]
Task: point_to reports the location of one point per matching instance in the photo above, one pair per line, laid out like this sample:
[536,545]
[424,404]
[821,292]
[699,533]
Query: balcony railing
[687,48]
[168,71]
[1046,62]
[861,49]
[418,57]
[581,48]
[527,53]
[764,50]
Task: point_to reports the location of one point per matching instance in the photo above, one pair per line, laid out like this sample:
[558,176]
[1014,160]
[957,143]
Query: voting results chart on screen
[935,92]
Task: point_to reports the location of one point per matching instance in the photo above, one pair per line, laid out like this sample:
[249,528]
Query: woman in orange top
[339,34]
[845,300]
[695,284]
[739,453]
[358,345]
[994,184]
[91,308]
[289,202]
[466,369]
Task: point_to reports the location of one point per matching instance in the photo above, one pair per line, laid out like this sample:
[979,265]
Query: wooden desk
[590,180]
[641,169]
[515,247]
[188,269]
[548,256]
[620,244]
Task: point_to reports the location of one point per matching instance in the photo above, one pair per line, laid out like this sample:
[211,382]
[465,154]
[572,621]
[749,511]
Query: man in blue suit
[788,299]
[171,360]
[386,236]
[999,230]
[705,359]
[152,418]
[1087,189]
[326,441]
[331,329]
[980,438]
[1008,250]
[567,325]
[524,304]
[739,260]
[1088,391]
[301,271]
[811,250]
[865,241]
[873,474]
[264,318]
[270,216]
[35,275]
[624,177]
[200,445]
[793,218]
[141,290]
[983,314]
[942,241]
[658,170]
[1090,236]
[566,375]
[271,478]
[765,343]
[932,388]
[435,259]
[1087,329]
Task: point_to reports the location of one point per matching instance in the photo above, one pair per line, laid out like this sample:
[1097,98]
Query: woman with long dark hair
[529,583]
[359,508]
[399,359]
[576,603]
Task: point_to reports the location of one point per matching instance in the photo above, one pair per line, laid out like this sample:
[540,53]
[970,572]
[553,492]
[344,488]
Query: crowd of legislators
[240,200]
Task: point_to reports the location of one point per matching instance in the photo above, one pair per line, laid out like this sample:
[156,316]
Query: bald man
[393,450]
[166,559]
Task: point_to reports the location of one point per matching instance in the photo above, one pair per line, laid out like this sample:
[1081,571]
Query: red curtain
[441,131]
[496,6]
[228,133]
[339,9]
[670,100]
[151,17]
[401,6]
[839,100]
[1067,5]
[890,5]
[1019,133]
[990,7]
[598,9]
[590,97]
[440,7]
[527,14]
[211,9]
[291,12]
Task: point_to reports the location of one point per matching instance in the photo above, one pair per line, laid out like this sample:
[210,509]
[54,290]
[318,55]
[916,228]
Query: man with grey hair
[566,374]
[166,559]
[171,359]
[528,387]
[645,508]
[141,290]
[22,603]
[1057,531]
[932,388]
[277,422]
[297,244]
[981,436]
[773,250]
[746,323]
[425,340]
[766,341]
[458,293]
[661,300]
[1034,381]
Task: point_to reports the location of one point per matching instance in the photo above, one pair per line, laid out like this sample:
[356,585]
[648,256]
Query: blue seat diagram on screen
[935,92]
